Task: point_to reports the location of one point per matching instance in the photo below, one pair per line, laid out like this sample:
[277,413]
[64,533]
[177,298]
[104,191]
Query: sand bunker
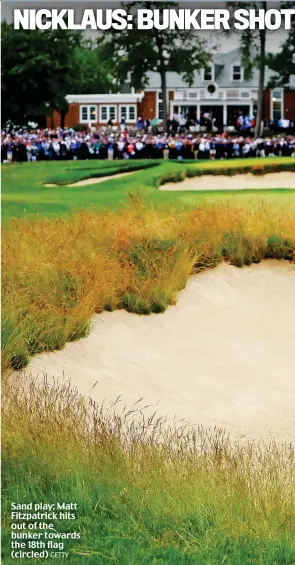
[224,355]
[236,182]
[93,180]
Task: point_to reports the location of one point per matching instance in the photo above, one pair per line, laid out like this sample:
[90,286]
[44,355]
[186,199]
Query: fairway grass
[24,193]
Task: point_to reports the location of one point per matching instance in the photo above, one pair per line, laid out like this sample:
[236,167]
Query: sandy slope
[224,355]
[237,182]
[93,180]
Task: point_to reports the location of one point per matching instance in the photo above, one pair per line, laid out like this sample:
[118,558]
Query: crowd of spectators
[210,122]
[67,144]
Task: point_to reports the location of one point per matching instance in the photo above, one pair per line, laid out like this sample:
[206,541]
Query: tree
[39,68]
[283,62]
[93,74]
[90,74]
[253,50]
[139,51]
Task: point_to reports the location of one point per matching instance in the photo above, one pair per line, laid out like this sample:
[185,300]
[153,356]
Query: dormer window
[237,74]
[209,73]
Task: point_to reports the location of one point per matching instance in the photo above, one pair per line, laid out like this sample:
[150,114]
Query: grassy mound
[146,492]
[24,192]
[107,169]
[58,272]
[227,168]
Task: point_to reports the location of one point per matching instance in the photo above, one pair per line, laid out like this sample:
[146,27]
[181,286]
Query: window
[132,114]
[128,112]
[277,94]
[209,73]
[88,114]
[277,104]
[211,88]
[160,106]
[92,113]
[84,113]
[108,113]
[237,72]
[112,112]
[103,113]
[123,112]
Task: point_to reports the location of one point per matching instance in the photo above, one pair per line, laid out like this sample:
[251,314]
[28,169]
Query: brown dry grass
[58,272]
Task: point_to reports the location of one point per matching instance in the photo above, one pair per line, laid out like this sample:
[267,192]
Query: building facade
[221,89]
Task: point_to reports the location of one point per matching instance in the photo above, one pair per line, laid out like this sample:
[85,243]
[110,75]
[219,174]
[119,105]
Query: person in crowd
[110,125]
[123,125]
[38,145]
[56,148]
[111,150]
[240,122]
[19,150]
[140,123]
[155,125]
[139,146]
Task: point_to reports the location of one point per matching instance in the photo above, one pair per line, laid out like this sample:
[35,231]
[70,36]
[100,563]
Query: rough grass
[227,168]
[146,492]
[58,272]
[24,193]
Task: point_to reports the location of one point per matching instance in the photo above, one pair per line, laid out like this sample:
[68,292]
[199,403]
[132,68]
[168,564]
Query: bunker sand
[224,355]
[237,182]
[93,180]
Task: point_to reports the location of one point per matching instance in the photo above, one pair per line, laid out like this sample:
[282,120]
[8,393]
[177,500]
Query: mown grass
[106,169]
[58,272]
[146,492]
[24,193]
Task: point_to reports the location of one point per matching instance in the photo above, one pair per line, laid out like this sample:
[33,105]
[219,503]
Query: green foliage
[93,71]
[39,68]
[249,38]
[283,62]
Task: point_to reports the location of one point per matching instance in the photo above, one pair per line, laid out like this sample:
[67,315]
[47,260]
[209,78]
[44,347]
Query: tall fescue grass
[58,272]
[147,492]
